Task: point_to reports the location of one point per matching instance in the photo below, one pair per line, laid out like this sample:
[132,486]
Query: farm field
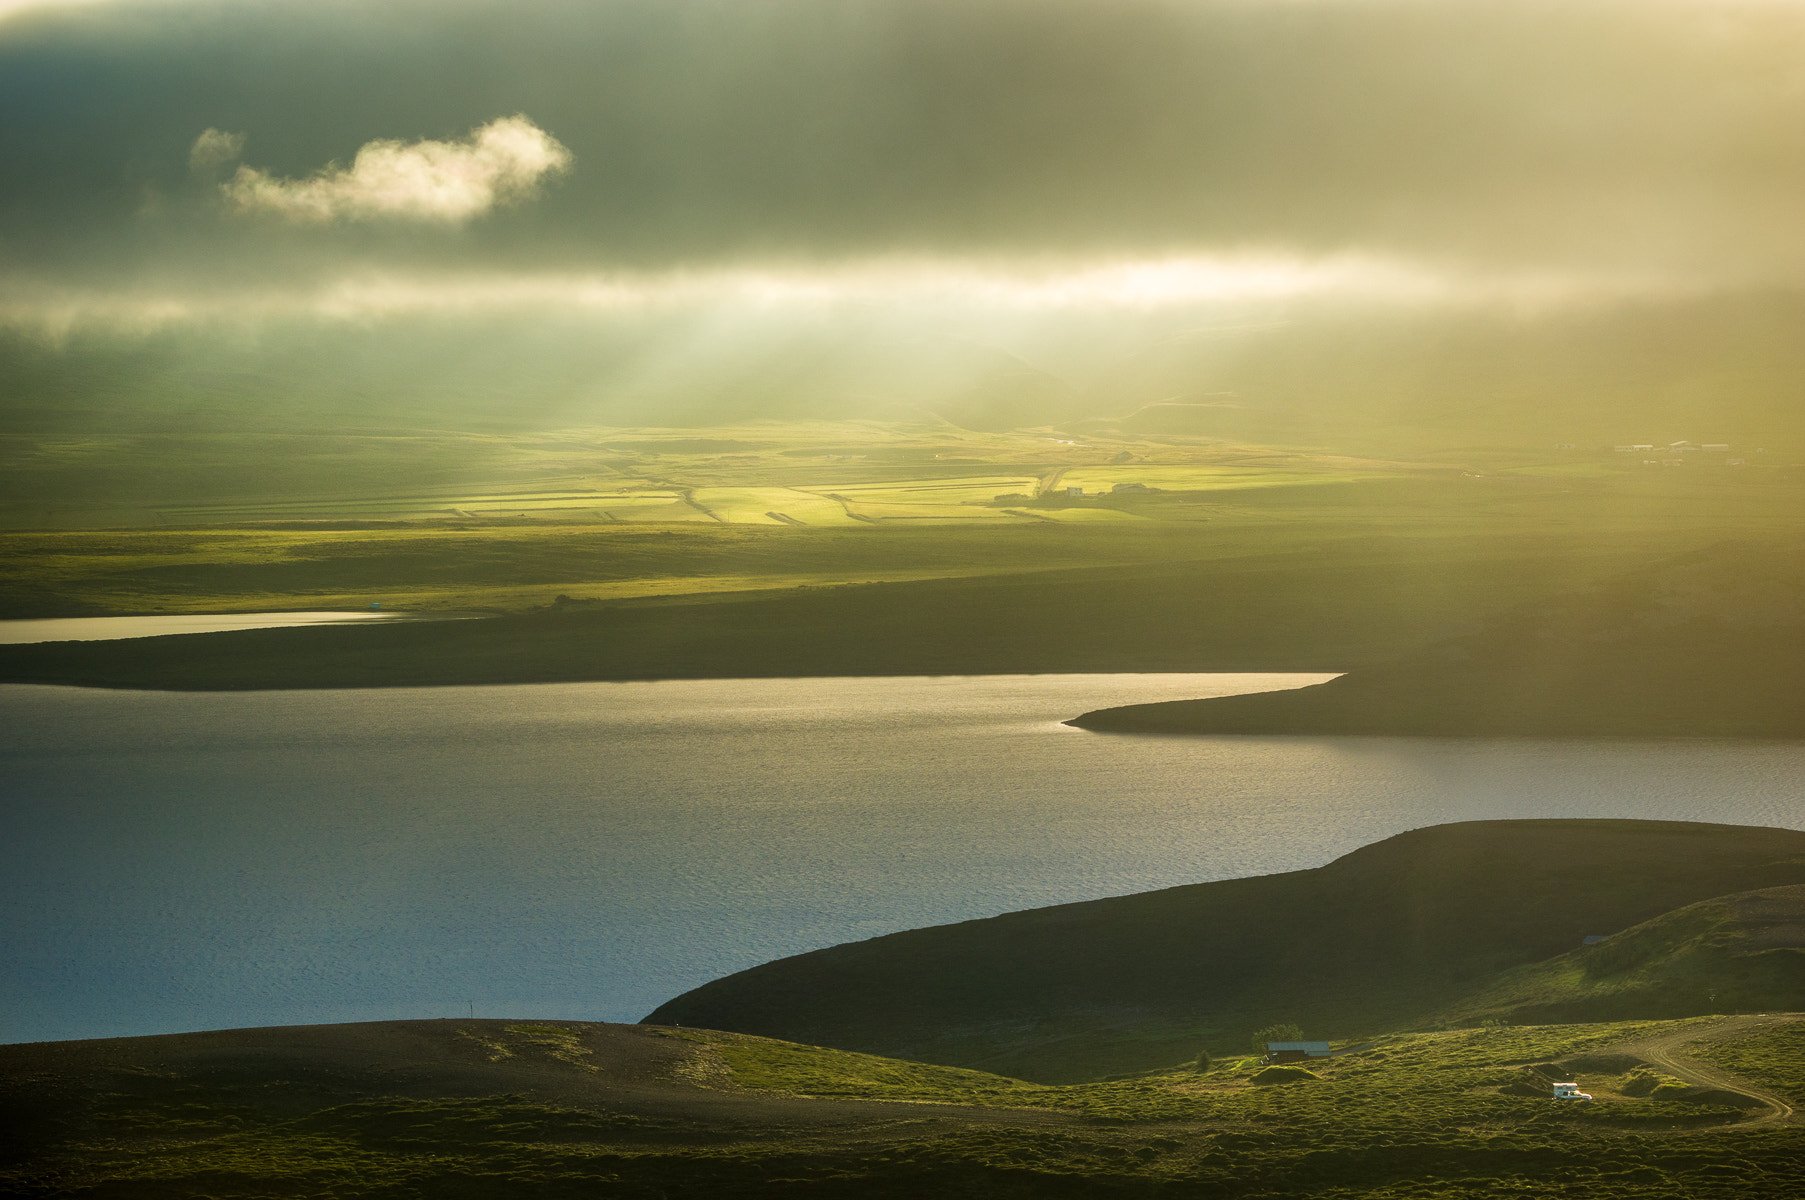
[444,522]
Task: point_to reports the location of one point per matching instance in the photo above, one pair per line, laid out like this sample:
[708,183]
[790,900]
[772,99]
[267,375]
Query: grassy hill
[553,1109]
[1386,936]
[1710,643]
[1736,953]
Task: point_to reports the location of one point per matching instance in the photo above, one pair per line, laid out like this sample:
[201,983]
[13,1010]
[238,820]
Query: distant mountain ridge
[1393,933]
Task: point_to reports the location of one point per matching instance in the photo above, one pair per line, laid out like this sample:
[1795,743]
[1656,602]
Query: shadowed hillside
[1710,644]
[1386,935]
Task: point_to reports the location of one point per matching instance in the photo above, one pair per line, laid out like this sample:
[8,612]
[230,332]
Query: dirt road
[1668,1052]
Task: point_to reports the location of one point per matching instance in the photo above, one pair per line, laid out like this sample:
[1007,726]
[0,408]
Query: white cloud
[974,290]
[444,182]
[215,146]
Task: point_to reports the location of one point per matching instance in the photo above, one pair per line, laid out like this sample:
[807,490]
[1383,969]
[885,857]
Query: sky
[181,164]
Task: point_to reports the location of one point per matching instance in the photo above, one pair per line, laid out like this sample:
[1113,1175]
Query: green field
[822,548]
[507,523]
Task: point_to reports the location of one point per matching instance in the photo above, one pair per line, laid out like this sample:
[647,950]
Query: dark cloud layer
[1554,219]
[1655,134]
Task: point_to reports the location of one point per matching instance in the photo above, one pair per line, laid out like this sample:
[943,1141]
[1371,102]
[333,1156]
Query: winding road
[1668,1052]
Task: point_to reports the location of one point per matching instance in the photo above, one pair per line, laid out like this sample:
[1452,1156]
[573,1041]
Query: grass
[1528,543]
[1723,954]
[1416,1115]
[755,506]
[1776,1058]
[1397,1082]
[483,520]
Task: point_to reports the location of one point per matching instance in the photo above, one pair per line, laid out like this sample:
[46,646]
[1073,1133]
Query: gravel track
[1669,1053]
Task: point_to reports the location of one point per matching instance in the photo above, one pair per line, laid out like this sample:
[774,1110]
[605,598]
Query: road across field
[1668,1052]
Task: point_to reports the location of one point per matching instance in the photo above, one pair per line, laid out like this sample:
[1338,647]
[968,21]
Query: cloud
[1004,290]
[1540,136]
[444,182]
[215,146]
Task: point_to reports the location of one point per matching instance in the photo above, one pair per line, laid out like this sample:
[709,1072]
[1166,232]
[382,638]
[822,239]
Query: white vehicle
[1570,1091]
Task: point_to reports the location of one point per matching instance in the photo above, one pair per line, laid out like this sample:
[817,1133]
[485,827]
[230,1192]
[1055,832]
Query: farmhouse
[1285,1052]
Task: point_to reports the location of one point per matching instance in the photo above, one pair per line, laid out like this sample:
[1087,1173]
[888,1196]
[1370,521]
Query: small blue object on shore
[376,605]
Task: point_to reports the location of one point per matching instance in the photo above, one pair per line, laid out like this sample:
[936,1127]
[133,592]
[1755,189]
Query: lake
[107,629]
[176,861]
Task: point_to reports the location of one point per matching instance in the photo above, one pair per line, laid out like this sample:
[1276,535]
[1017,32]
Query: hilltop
[1382,938]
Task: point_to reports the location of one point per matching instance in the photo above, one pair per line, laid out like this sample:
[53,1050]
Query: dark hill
[1708,645]
[459,1110]
[1385,935]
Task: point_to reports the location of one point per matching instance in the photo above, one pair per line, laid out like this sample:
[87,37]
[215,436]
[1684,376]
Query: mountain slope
[1735,953]
[1385,935]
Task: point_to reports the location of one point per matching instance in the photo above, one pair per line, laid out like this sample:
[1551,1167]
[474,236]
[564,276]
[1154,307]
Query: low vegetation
[1736,953]
[1775,1057]
[694,1113]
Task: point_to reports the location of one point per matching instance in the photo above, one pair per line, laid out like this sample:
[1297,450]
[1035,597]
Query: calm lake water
[108,629]
[172,861]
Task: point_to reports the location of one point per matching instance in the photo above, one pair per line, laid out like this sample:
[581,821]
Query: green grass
[1422,1115]
[1706,956]
[1776,1058]
[1399,1082]
[656,543]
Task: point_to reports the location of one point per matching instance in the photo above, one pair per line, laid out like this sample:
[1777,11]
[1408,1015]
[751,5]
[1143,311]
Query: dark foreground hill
[1708,645]
[500,1110]
[1388,935]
